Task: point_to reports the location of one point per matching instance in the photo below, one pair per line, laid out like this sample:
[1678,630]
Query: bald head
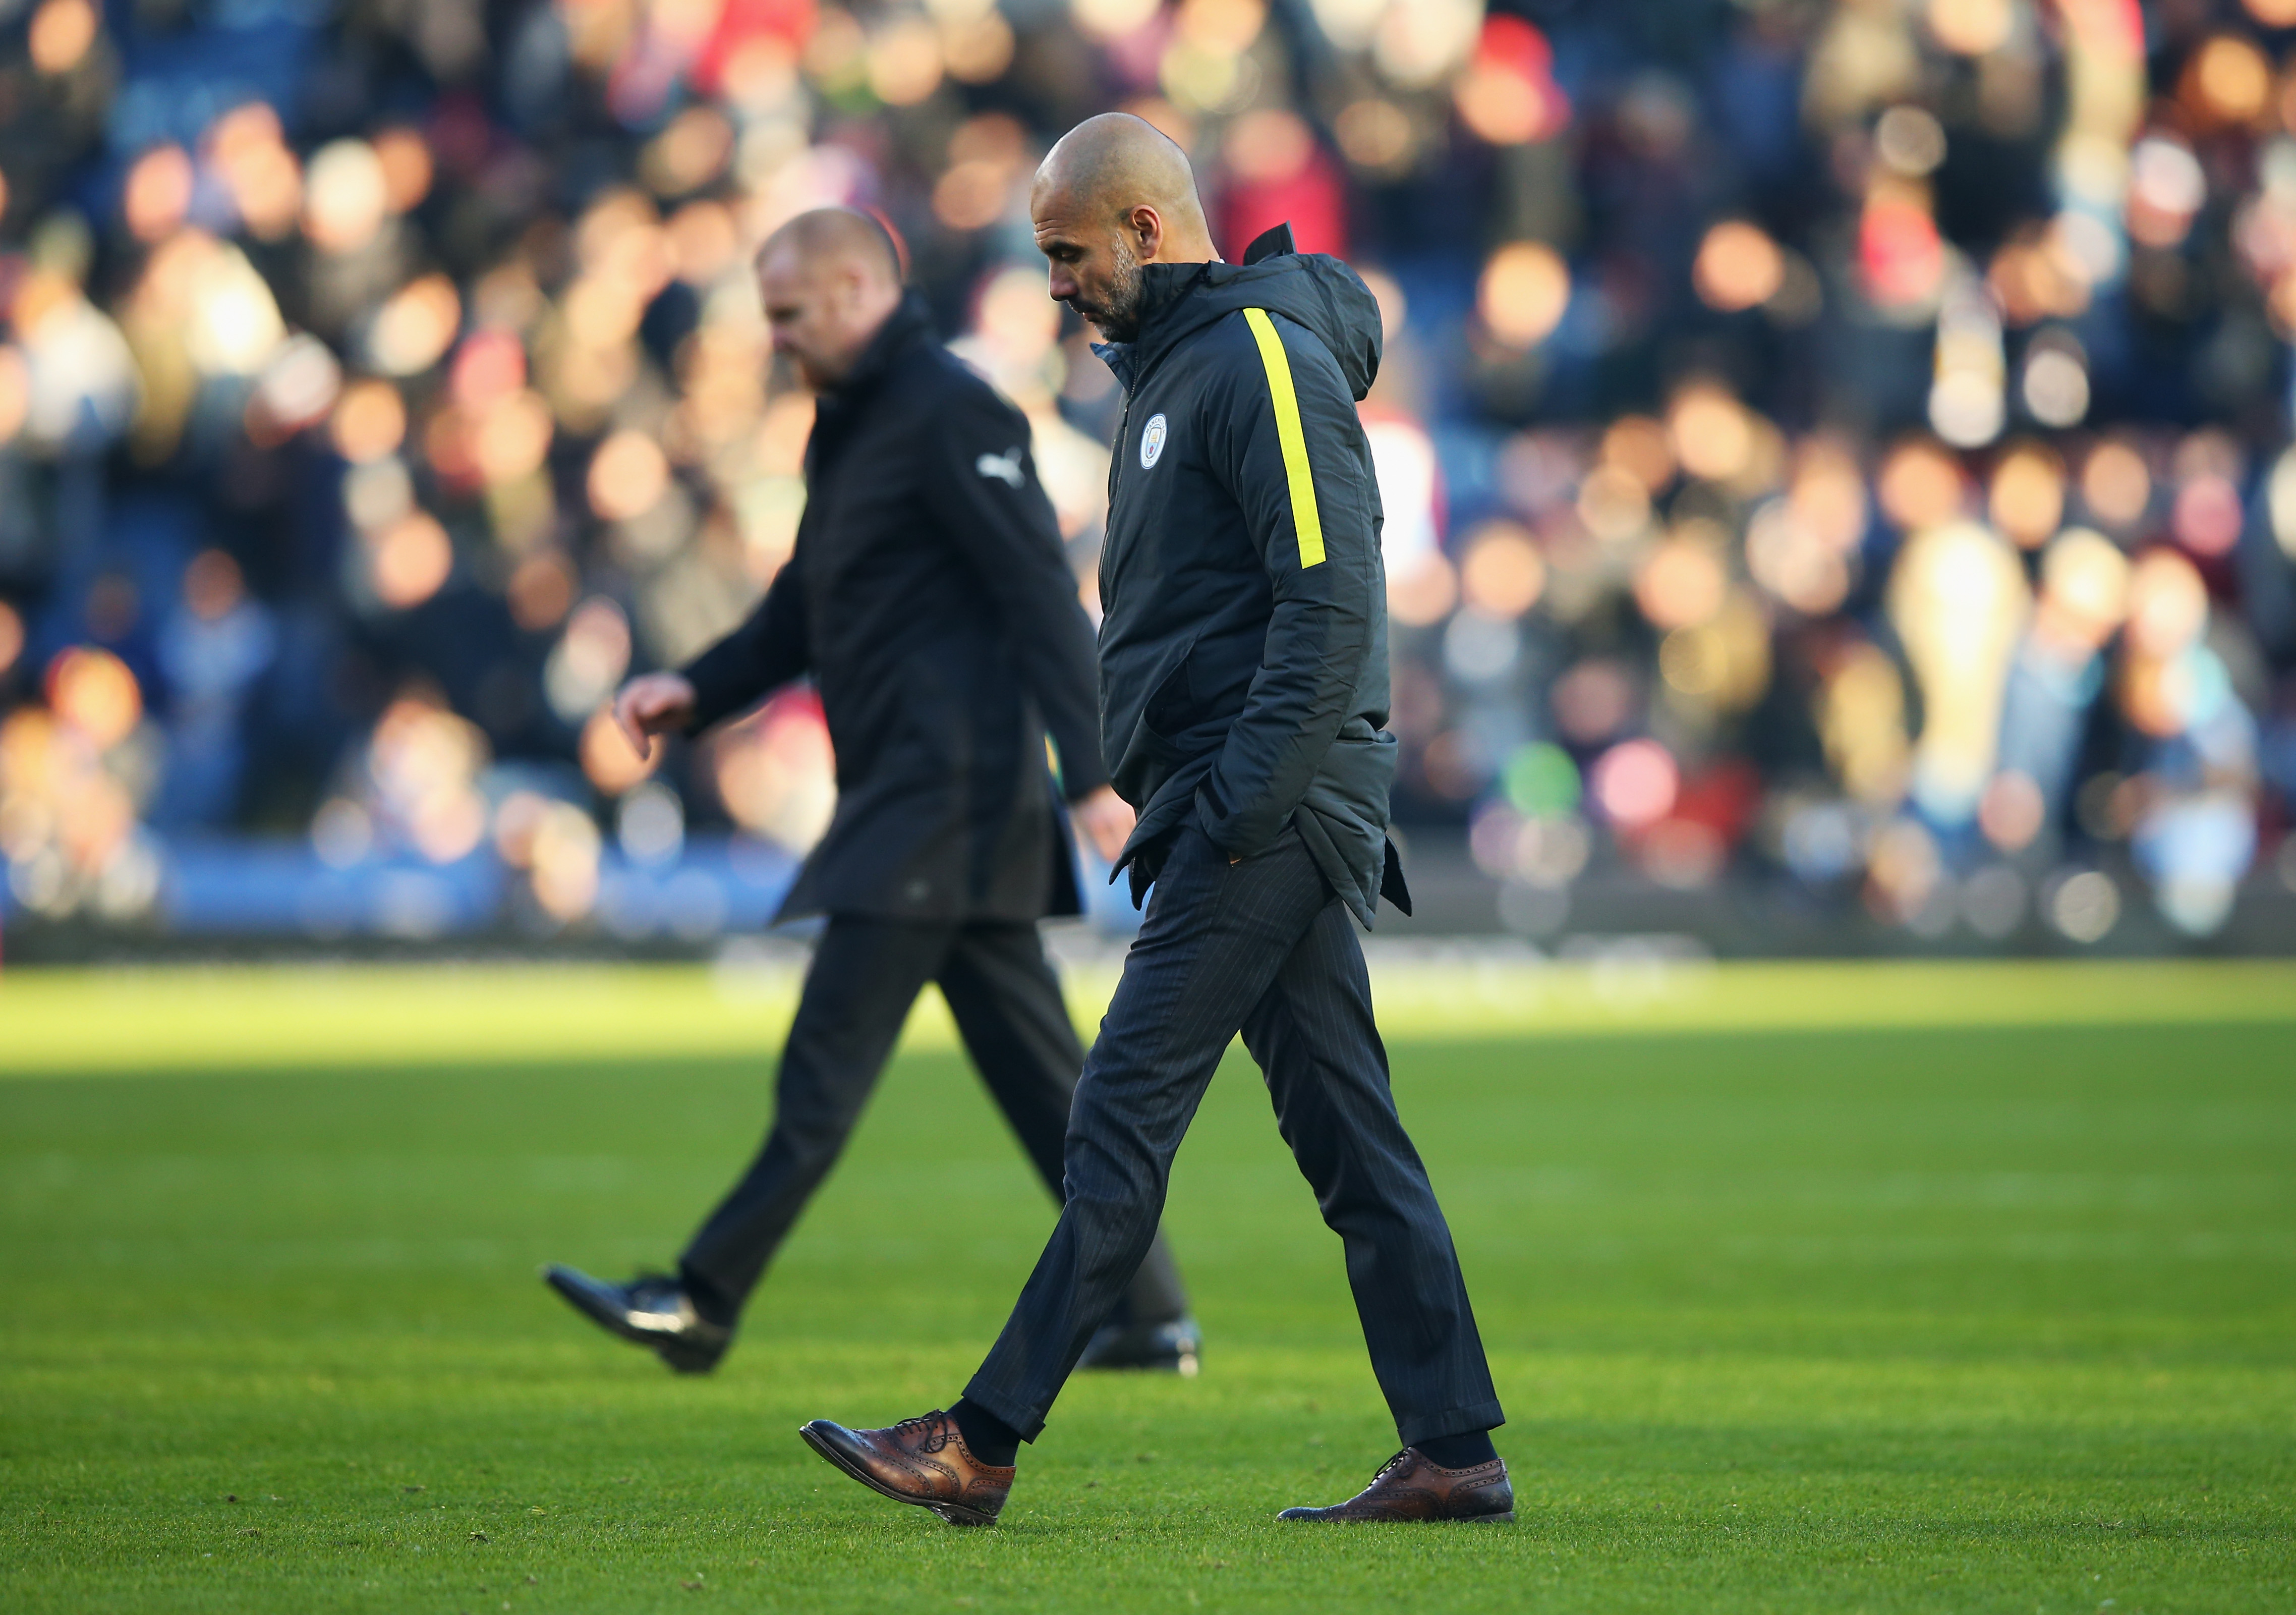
[829,279]
[842,236]
[1115,193]
[1113,163]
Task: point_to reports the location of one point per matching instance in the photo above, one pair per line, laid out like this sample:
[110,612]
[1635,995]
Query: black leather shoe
[1172,1348]
[651,1310]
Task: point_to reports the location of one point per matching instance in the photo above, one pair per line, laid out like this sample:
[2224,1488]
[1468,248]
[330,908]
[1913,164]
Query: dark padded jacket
[929,598]
[1243,649]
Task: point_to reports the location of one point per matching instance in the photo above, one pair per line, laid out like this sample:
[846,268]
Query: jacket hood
[1314,289]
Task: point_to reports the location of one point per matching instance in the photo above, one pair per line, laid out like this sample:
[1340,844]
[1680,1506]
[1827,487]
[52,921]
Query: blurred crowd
[1833,442]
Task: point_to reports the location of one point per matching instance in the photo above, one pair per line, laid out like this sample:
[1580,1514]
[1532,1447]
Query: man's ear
[1147,227]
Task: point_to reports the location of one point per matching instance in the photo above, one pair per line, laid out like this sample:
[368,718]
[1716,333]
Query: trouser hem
[1028,1424]
[708,1295]
[1432,1427]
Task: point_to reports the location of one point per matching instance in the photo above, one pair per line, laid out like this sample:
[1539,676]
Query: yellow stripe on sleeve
[1291,435]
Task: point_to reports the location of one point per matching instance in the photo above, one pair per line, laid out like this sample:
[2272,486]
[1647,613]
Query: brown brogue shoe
[1410,1486]
[921,1460]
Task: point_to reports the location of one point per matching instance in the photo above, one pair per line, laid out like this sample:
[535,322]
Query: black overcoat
[929,598]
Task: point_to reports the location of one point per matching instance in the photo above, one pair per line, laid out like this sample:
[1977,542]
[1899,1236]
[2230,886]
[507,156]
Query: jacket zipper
[1116,461]
[1108,525]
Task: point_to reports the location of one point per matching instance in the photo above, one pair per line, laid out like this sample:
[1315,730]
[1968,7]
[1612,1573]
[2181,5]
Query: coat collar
[909,324]
[1164,288]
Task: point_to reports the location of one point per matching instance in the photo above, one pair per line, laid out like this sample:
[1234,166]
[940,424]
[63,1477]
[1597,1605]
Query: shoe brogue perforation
[921,1460]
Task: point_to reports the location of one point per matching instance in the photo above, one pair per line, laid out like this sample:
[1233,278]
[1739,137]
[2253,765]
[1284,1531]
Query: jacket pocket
[1169,708]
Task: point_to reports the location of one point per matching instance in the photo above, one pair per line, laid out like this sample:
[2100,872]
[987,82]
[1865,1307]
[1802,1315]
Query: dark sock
[991,1439]
[1456,1451]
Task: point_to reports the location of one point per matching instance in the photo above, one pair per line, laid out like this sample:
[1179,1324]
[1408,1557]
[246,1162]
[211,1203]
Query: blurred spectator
[216,645]
[1838,444]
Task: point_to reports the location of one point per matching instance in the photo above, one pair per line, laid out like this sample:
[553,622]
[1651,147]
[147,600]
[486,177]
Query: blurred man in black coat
[929,598]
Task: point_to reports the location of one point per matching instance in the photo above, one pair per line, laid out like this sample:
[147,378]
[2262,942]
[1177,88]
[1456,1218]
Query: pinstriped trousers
[1263,947]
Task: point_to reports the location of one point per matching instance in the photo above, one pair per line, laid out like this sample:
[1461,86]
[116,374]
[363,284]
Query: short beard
[1119,318]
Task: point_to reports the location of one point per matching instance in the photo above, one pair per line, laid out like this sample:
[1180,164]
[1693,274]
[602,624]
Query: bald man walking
[929,598]
[1244,700]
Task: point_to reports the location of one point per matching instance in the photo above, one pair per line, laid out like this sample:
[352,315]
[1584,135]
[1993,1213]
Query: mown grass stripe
[230,1017]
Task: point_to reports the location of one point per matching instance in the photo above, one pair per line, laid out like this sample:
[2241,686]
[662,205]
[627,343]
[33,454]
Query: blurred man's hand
[653,705]
[1106,819]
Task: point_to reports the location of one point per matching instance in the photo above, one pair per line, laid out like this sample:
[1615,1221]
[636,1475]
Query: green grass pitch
[1833,1307]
